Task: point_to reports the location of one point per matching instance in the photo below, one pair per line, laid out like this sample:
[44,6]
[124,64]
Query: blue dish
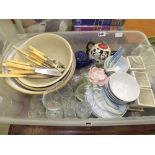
[82,59]
[105,103]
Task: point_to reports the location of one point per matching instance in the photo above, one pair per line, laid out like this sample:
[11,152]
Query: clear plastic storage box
[18,108]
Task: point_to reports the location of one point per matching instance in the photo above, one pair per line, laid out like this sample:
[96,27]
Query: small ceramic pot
[98,52]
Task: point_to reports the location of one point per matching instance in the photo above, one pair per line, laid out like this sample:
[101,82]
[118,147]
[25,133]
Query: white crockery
[124,86]
[102,106]
[96,110]
[108,91]
[121,65]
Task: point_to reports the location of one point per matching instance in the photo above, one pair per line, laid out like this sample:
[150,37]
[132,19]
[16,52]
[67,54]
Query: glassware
[69,108]
[9,106]
[4,102]
[83,109]
[51,100]
[36,109]
[54,113]
[81,90]
[58,104]
[66,92]
[53,104]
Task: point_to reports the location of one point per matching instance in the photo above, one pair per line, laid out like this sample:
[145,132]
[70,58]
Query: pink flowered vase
[97,76]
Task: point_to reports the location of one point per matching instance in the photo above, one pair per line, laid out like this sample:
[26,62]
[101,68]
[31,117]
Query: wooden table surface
[55,130]
[144,25]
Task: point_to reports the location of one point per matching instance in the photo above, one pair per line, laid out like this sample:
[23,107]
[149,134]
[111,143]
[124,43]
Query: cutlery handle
[11,75]
[21,51]
[34,61]
[18,62]
[11,68]
[21,72]
[38,53]
[23,76]
[19,66]
[27,56]
[33,48]
[34,56]
[38,60]
[45,59]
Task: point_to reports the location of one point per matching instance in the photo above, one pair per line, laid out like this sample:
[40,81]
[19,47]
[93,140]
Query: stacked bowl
[122,88]
[112,99]
[53,46]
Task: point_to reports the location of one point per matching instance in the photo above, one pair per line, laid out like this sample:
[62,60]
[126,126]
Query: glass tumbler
[36,109]
[52,101]
[54,113]
[69,108]
[66,92]
[83,109]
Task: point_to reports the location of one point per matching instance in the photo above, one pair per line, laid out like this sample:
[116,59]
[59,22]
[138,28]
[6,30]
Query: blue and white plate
[97,97]
[112,98]
[110,94]
[118,108]
[96,109]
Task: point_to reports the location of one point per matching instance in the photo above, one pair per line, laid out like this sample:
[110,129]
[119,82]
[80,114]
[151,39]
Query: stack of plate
[111,100]
[111,96]
[102,106]
[122,88]
[52,45]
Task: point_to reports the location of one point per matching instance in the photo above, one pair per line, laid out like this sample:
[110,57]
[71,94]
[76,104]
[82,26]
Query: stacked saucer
[112,99]
[122,88]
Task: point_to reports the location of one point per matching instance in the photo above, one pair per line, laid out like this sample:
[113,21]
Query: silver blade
[53,72]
